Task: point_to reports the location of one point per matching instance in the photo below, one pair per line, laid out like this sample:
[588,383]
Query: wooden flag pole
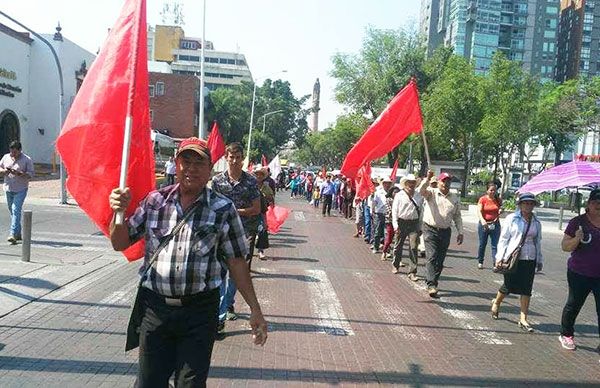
[426,148]
[120,216]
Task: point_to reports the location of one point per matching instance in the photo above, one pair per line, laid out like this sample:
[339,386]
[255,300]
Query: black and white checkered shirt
[192,261]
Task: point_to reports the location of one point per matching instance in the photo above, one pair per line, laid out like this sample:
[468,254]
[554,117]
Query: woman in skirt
[521,225]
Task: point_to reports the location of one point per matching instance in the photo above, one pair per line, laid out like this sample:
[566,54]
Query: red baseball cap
[443,176]
[194,144]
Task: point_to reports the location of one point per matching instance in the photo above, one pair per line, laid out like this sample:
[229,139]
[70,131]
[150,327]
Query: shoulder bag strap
[414,203]
[525,234]
[186,216]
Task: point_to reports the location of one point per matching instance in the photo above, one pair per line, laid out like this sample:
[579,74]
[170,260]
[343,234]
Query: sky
[299,36]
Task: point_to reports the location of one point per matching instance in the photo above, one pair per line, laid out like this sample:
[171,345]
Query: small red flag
[250,166]
[276,216]
[263,161]
[364,185]
[216,143]
[91,138]
[400,118]
[394,171]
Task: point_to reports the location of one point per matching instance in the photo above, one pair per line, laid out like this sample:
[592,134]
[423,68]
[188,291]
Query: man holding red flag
[193,235]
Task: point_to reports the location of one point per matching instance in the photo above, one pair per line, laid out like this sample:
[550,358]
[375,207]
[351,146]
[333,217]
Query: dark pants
[484,233]
[579,288]
[177,339]
[251,239]
[379,229]
[367,223]
[436,245]
[327,198]
[170,179]
[410,229]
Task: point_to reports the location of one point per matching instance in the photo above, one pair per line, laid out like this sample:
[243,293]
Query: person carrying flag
[193,236]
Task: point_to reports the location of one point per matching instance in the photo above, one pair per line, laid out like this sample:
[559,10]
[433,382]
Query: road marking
[326,306]
[466,320]
[299,216]
[391,312]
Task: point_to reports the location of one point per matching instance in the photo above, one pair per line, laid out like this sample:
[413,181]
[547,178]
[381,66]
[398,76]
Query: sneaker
[261,255]
[480,266]
[402,264]
[11,240]
[375,250]
[567,342]
[413,277]
[18,237]
[395,270]
[389,255]
[432,291]
[221,327]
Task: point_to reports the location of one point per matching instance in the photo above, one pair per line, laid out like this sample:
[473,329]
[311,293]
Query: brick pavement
[337,314]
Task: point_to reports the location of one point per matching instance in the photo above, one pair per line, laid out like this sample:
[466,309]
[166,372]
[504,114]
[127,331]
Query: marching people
[378,205]
[359,216]
[267,199]
[326,193]
[242,189]
[170,171]
[521,235]
[192,234]
[582,240]
[441,209]
[389,225]
[18,171]
[488,210]
[406,213]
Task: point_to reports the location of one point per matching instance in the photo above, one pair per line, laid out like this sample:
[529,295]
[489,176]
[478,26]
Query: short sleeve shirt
[585,259]
[491,208]
[242,193]
[194,260]
[13,182]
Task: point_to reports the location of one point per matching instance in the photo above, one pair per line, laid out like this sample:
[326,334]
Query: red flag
[216,143]
[250,166]
[364,185]
[263,161]
[115,87]
[400,118]
[276,216]
[394,171]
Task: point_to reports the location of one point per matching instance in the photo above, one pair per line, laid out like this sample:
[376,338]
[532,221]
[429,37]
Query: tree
[508,97]
[452,113]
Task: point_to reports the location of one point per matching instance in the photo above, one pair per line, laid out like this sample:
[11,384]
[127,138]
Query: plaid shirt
[194,259]
[242,193]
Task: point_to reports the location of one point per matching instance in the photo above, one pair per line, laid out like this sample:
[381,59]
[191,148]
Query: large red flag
[216,143]
[91,139]
[394,171]
[276,216]
[400,118]
[364,184]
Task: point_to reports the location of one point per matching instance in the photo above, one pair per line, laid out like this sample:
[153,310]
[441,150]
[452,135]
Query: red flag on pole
[394,171]
[263,161]
[364,185]
[216,143]
[400,118]
[114,91]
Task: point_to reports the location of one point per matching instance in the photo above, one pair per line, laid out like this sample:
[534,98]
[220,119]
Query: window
[549,34]
[588,18]
[550,23]
[189,45]
[211,60]
[160,88]
[552,10]
[151,90]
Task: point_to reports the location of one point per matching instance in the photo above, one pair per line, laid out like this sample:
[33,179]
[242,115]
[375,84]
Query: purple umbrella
[572,174]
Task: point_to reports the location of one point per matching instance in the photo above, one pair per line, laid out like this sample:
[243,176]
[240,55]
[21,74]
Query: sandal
[494,312]
[525,326]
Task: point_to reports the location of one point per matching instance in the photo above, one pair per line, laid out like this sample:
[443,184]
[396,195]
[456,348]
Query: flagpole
[120,215]
[426,148]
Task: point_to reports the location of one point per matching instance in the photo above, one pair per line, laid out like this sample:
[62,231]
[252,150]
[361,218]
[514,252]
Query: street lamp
[201,130]
[264,117]
[252,109]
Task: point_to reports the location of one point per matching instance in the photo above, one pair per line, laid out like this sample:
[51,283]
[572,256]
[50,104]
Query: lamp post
[264,117]
[201,130]
[63,189]
[252,109]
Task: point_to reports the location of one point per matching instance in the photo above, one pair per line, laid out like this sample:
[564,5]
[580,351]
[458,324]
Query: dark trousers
[170,179]
[327,198]
[579,288]
[484,234]
[251,239]
[436,245]
[410,229]
[176,339]
[379,229]
[367,223]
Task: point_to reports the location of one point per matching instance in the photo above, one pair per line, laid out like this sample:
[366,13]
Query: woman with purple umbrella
[582,239]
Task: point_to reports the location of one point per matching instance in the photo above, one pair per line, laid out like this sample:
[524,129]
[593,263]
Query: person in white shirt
[441,209]
[378,208]
[406,213]
[170,170]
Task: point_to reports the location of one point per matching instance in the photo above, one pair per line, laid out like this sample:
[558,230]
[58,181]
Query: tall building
[168,44]
[522,29]
[578,39]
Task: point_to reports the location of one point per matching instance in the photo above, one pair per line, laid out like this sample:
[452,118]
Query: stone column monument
[315,106]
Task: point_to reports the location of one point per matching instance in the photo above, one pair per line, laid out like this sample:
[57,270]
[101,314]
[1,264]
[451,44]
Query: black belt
[435,227]
[182,301]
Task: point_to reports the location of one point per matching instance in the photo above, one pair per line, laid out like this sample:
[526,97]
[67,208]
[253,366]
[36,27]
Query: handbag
[138,310]
[509,265]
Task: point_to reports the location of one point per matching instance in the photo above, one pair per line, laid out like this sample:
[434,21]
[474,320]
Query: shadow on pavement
[28,282]
[414,377]
[56,244]
[457,279]
[302,278]
[304,259]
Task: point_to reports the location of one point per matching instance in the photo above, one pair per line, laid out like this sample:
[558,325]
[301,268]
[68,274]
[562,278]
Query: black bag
[137,312]
[509,264]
